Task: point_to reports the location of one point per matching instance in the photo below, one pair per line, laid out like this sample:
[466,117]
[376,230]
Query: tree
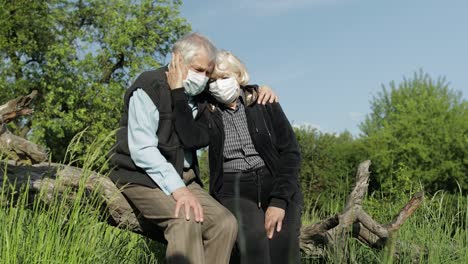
[328,165]
[80,55]
[417,132]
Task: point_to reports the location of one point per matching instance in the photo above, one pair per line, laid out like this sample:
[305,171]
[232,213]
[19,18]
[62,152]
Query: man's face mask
[194,83]
[225,91]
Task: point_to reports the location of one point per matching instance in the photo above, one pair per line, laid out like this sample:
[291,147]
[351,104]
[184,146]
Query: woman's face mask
[226,90]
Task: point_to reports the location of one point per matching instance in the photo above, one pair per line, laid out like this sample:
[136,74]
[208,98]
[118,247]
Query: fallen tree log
[49,178]
[43,177]
[18,148]
[332,232]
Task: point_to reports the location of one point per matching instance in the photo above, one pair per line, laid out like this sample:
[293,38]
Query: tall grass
[68,228]
[435,233]
[440,227]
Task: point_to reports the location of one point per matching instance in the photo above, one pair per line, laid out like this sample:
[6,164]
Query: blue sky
[327,58]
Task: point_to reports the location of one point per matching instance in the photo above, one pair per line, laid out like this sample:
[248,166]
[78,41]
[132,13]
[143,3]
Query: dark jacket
[271,133]
[154,83]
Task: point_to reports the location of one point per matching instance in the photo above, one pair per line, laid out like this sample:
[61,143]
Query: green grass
[67,226]
[66,232]
[435,233]
[72,232]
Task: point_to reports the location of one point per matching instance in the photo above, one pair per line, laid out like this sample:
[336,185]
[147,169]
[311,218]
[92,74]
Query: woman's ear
[239,78]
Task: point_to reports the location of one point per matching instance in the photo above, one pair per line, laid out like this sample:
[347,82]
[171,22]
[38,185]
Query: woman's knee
[284,247]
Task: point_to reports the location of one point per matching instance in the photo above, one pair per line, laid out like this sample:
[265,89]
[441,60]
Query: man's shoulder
[151,82]
[151,79]
[151,76]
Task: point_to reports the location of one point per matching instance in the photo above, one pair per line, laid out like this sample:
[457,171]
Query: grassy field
[70,231]
[436,233]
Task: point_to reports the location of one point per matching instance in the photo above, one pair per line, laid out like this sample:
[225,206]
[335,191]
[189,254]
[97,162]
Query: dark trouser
[240,193]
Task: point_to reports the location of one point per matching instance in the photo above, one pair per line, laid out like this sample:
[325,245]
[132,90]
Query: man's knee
[230,222]
[226,222]
[183,229]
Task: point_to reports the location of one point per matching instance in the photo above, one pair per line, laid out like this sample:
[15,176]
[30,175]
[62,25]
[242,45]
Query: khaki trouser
[209,242]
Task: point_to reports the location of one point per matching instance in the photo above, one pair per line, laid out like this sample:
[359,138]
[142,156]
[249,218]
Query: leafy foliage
[80,55]
[329,163]
[417,133]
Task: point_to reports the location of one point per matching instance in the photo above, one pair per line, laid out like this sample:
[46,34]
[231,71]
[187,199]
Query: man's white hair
[191,44]
[229,65]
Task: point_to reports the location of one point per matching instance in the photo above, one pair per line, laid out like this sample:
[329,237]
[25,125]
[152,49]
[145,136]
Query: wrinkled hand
[176,71]
[185,198]
[266,95]
[273,220]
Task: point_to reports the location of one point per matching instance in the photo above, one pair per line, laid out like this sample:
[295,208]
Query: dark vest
[154,83]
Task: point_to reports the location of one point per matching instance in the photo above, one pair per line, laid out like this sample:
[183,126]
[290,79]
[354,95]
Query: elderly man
[158,176]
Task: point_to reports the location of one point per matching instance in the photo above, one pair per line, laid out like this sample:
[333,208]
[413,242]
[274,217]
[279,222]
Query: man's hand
[175,73]
[273,219]
[185,198]
[266,94]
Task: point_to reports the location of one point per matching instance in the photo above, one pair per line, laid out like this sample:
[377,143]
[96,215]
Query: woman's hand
[176,71]
[273,220]
[266,95]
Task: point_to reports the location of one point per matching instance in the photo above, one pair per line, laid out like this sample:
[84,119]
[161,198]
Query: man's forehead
[202,62]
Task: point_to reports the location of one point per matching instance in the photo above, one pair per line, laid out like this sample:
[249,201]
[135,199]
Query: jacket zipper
[259,189]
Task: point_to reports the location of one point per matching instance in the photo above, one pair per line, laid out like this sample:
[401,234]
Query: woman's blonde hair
[229,65]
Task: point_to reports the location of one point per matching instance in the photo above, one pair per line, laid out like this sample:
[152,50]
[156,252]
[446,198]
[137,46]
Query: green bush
[417,133]
[329,163]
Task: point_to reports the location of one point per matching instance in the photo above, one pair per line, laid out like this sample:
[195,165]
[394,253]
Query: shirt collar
[240,100]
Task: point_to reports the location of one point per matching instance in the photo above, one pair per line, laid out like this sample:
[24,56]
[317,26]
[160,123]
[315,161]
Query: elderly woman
[254,162]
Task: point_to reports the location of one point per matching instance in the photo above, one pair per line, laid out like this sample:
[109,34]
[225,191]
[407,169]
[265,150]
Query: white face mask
[225,91]
[194,83]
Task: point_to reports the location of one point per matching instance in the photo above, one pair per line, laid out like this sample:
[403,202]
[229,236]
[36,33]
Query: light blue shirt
[143,121]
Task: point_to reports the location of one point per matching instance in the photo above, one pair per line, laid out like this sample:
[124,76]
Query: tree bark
[48,177]
[355,222]
[18,148]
